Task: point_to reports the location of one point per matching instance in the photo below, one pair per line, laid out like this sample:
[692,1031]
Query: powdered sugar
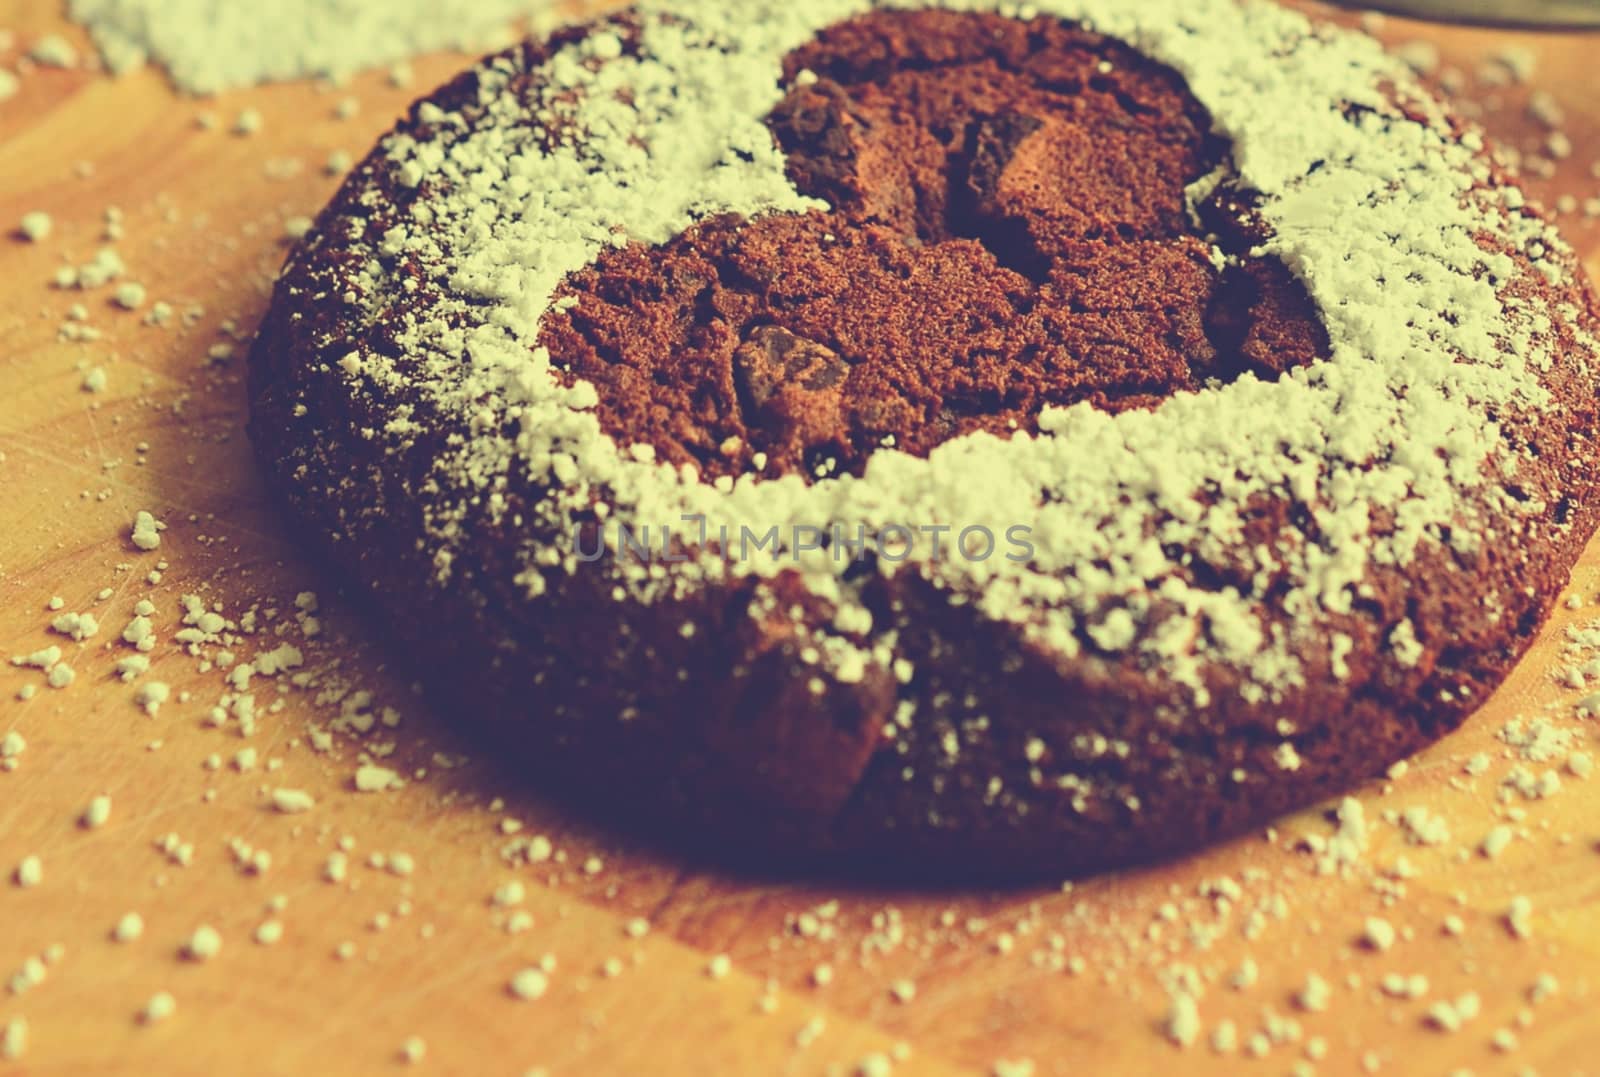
[213,45]
[1397,421]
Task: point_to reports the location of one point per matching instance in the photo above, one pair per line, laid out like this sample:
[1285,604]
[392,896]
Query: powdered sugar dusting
[212,45]
[1397,422]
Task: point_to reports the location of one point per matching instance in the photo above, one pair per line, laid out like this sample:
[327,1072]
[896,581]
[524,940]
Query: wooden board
[1075,981]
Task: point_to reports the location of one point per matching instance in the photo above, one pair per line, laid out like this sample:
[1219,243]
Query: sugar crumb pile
[208,46]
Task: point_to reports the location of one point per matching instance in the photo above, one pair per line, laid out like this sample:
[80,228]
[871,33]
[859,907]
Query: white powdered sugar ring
[1397,417]
[1414,250]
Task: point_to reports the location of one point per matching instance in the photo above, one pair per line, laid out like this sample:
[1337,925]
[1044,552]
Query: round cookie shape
[953,440]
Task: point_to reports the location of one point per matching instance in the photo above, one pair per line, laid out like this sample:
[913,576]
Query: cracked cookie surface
[1009,230]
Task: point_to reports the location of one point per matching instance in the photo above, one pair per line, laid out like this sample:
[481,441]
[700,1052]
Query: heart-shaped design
[1013,225]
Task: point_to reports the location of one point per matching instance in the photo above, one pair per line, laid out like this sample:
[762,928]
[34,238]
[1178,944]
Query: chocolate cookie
[969,443]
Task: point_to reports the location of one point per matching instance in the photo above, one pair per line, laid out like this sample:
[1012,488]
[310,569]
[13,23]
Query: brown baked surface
[980,263]
[1009,231]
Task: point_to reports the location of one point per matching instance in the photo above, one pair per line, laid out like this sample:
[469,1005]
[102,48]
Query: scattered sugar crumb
[97,814]
[29,872]
[292,801]
[204,944]
[160,1007]
[147,530]
[528,984]
[128,928]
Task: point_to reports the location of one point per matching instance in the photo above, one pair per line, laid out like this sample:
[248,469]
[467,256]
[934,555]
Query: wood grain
[1072,980]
